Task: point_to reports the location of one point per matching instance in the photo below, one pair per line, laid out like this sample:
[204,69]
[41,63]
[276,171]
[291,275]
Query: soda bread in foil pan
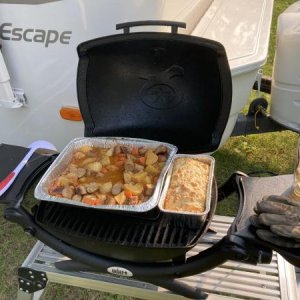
[188,185]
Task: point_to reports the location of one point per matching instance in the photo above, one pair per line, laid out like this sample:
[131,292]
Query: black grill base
[124,236]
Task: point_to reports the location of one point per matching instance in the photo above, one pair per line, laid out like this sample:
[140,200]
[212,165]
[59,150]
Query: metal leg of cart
[228,281]
[34,296]
[298,278]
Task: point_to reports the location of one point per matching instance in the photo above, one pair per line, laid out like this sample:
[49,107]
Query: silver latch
[18,101]
[20,96]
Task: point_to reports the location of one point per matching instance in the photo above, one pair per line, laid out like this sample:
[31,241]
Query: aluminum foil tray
[64,158]
[204,158]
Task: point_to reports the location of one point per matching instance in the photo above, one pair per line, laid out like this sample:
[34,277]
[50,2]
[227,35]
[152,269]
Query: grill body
[148,237]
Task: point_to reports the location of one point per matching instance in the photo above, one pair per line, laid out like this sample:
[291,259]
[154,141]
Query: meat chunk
[129,165]
[77,197]
[117,188]
[138,168]
[79,155]
[101,198]
[162,158]
[55,190]
[68,192]
[143,150]
[133,200]
[117,149]
[110,200]
[149,189]
[125,149]
[127,177]
[81,190]
[78,172]
[92,187]
[161,150]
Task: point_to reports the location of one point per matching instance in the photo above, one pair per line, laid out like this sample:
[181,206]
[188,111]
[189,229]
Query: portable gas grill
[168,87]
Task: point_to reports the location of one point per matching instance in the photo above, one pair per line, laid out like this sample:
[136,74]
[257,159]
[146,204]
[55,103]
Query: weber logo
[47,37]
[119,271]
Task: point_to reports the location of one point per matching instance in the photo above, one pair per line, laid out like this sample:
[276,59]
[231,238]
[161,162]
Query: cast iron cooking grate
[165,231]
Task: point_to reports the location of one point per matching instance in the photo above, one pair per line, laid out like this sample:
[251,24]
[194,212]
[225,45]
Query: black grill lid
[161,86]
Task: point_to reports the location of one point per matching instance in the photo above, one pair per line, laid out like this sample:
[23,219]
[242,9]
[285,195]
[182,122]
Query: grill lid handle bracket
[174,25]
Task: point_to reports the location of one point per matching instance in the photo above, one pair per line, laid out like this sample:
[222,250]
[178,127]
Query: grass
[273,152]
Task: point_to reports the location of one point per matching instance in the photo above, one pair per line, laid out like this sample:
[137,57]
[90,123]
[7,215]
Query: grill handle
[174,25]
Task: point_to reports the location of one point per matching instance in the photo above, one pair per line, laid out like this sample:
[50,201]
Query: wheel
[256,105]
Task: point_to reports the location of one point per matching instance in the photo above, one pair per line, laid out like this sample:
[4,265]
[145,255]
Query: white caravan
[39,63]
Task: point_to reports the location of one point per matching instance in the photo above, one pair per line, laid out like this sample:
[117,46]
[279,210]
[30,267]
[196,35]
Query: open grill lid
[161,86]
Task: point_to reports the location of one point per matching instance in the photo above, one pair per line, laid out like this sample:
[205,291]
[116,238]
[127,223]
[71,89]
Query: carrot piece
[128,194]
[120,163]
[104,170]
[141,160]
[121,156]
[86,200]
[97,202]
[135,151]
[92,201]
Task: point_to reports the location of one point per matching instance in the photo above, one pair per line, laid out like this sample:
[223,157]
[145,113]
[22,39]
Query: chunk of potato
[105,161]
[149,189]
[127,177]
[110,152]
[120,198]
[152,170]
[79,155]
[88,161]
[151,158]
[92,187]
[141,177]
[106,187]
[95,166]
[72,178]
[135,189]
[86,149]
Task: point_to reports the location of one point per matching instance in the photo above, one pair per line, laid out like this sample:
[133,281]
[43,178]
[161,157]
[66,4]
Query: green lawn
[265,152]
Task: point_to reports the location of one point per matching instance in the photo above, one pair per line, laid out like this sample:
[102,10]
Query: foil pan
[64,158]
[201,215]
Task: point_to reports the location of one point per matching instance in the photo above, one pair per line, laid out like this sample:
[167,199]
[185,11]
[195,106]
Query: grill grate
[140,237]
[126,230]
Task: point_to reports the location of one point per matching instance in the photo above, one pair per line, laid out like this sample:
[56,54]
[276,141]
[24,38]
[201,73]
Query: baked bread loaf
[188,186]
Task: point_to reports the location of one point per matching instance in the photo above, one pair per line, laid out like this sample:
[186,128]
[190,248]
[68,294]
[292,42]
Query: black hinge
[31,281]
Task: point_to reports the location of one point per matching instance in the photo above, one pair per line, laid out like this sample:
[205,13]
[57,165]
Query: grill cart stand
[274,281]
